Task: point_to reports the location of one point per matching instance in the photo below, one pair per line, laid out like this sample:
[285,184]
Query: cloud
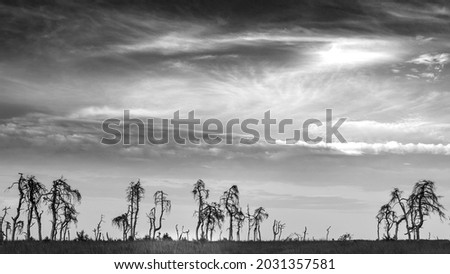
[431,59]
[393,147]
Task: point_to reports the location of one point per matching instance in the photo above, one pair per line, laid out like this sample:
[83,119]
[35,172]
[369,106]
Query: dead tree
[7,228]
[98,229]
[2,219]
[200,195]
[328,232]
[259,216]
[21,189]
[213,216]
[61,202]
[180,234]
[250,222]
[240,218]
[34,193]
[277,229]
[163,205]
[151,220]
[69,216]
[135,193]
[122,222]
[389,217]
[230,201]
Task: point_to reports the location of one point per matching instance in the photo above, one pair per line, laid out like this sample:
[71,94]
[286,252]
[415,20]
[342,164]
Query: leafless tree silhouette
[34,193]
[2,219]
[422,202]
[259,216]
[230,200]
[122,222]
[98,229]
[201,194]
[7,228]
[213,216]
[328,232]
[240,218]
[389,217]
[277,229]
[135,193]
[15,220]
[151,221]
[183,232]
[249,222]
[164,205]
[61,202]
[397,199]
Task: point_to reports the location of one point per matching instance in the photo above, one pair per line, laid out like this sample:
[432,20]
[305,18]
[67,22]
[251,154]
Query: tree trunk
[230,234]
[19,207]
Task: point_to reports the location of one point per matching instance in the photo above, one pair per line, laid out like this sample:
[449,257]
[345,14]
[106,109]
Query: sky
[65,66]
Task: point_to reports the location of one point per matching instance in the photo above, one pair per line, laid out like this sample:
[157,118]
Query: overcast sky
[383,65]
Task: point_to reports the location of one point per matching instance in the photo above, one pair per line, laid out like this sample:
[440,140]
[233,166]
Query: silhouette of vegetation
[34,193]
[200,195]
[409,212]
[122,223]
[389,217]
[277,229]
[230,200]
[61,202]
[98,230]
[328,233]
[16,224]
[3,235]
[163,206]
[213,216]
[258,217]
[135,194]
[421,203]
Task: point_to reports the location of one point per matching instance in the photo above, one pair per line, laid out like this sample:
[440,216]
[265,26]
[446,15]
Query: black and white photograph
[225,127]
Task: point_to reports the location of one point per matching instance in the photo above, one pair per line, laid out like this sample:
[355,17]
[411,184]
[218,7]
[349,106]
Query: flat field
[193,247]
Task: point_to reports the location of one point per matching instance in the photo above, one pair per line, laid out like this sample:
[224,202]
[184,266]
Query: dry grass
[153,247]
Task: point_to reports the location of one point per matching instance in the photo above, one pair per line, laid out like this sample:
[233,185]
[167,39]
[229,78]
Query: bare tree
[240,218]
[277,229]
[163,206]
[98,229]
[135,193]
[151,220]
[200,195]
[183,232]
[249,222]
[213,216]
[8,228]
[21,189]
[2,219]
[34,193]
[122,222]
[230,200]
[259,216]
[328,232]
[389,217]
[379,218]
[397,199]
[422,202]
[61,202]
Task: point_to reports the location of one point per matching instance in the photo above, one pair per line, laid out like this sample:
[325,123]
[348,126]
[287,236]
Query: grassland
[170,247]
